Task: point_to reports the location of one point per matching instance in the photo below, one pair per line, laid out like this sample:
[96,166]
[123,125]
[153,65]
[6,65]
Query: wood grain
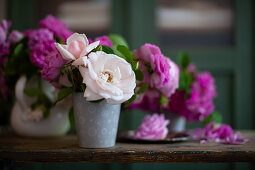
[65,149]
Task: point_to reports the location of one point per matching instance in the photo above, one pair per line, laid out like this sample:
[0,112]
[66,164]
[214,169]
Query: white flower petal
[89,48]
[64,53]
[109,77]
[79,37]
[90,95]
[83,61]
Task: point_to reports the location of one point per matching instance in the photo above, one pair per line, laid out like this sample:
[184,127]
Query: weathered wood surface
[65,149]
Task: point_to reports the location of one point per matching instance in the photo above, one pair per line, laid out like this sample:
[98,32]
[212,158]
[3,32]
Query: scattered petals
[218,133]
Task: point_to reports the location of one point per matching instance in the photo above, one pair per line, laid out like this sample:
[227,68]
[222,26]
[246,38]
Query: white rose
[108,76]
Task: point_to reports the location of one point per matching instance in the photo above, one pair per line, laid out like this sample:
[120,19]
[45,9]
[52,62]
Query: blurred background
[218,35]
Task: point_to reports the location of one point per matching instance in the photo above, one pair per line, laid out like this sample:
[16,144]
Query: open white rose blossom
[106,76]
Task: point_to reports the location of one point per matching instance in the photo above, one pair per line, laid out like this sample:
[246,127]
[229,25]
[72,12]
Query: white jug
[57,124]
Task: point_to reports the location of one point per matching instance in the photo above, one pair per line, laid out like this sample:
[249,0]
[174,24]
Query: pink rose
[169,88]
[159,71]
[152,127]
[77,48]
[104,40]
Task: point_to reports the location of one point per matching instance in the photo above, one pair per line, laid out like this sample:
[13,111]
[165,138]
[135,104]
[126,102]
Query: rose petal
[64,53]
[89,48]
[79,37]
[90,95]
[82,61]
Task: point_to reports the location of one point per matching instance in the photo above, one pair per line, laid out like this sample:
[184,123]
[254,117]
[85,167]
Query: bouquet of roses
[100,71]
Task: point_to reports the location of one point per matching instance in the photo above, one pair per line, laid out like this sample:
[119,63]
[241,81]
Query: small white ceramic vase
[57,124]
[96,123]
[177,123]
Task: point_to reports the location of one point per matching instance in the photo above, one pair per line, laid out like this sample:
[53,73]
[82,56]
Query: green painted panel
[22,13]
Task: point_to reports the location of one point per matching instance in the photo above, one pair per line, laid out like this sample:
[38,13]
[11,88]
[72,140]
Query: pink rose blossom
[4,45]
[51,67]
[199,105]
[192,68]
[41,51]
[76,49]
[38,36]
[173,83]
[56,26]
[219,134]
[104,40]
[15,36]
[152,127]
[157,69]
[4,27]
[149,102]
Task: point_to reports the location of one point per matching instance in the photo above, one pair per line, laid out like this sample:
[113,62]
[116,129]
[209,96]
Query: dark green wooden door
[230,65]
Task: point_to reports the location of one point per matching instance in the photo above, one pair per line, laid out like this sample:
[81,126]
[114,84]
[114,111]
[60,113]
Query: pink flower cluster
[4,45]
[43,51]
[153,127]
[51,66]
[160,73]
[58,28]
[104,40]
[199,105]
[218,133]
[41,43]
[5,42]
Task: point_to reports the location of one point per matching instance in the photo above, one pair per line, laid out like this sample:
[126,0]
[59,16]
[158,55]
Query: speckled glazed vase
[177,123]
[96,123]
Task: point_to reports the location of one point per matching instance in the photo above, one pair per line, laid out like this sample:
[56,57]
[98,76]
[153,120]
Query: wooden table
[65,149]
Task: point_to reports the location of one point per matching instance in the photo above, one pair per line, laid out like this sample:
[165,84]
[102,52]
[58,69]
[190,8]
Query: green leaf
[142,89]
[97,101]
[135,65]
[183,60]
[117,40]
[125,52]
[64,93]
[98,48]
[131,100]
[163,100]
[215,116]
[139,75]
[18,49]
[32,92]
[107,49]
[71,117]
